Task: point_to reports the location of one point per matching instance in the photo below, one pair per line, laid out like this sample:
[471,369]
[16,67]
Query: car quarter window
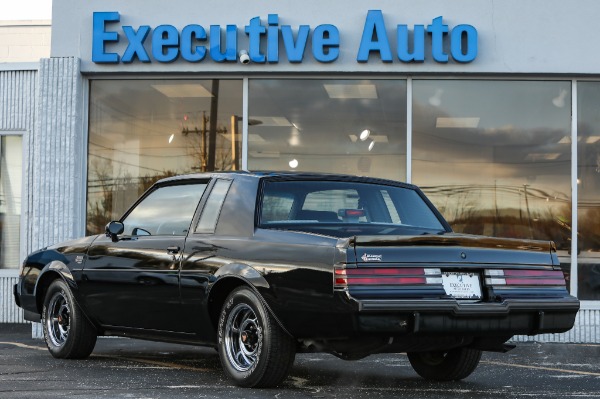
[212,208]
[168,210]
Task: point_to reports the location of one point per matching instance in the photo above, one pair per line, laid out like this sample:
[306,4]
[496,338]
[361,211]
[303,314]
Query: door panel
[135,282]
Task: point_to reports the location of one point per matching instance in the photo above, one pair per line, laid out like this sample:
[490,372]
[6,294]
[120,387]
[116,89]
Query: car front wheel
[253,348]
[455,364]
[67,332]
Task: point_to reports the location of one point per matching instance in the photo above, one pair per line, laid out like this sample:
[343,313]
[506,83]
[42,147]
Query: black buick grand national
[264,265]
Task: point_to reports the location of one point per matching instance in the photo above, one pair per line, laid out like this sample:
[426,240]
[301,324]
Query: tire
[253,348]
[453,365]
[67,332]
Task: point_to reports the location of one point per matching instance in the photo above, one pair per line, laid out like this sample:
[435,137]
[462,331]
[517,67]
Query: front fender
[49,272]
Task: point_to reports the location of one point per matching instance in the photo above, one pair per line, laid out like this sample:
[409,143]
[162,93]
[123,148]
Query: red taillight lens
[386,276]
[524,277]
[386,280]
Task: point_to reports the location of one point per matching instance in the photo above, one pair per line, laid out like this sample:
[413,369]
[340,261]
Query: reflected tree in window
[143,130]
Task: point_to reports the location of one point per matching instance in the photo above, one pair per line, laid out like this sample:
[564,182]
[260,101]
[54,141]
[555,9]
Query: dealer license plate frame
[462,285]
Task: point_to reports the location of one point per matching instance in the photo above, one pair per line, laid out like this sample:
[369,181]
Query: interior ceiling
[509,114]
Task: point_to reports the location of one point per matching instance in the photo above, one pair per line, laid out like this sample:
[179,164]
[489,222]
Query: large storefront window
[336,126]
[588,183]
[494,156]
[144,130]
[11,163]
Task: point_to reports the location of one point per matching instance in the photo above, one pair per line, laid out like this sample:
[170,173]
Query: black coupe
[263,265]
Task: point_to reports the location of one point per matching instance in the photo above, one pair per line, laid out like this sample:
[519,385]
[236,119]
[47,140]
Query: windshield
[346,208]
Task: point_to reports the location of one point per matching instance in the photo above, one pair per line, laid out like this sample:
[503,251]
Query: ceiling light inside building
[272,120]
[264,154]
[364,134]
[592,139]
[294,140]
[252,137]
[536,156]
[293,163]
[183,90]
[436,99]
[366,91]
[588,140]
[559,101]
[378,138]
[464,123]
[171,138]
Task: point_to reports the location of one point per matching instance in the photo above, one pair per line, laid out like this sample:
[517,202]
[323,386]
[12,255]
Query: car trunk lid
[448,266]
[449,249]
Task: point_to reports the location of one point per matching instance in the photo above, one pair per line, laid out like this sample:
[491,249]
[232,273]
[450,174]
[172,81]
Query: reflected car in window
[265,265]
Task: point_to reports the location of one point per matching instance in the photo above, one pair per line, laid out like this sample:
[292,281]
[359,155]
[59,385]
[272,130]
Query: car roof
[283,175]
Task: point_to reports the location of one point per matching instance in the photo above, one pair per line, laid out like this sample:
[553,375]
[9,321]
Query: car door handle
[173,250]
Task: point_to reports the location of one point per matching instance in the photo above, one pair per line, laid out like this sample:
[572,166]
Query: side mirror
[113,229]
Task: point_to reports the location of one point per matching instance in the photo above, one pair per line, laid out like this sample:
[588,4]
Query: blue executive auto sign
[193,43]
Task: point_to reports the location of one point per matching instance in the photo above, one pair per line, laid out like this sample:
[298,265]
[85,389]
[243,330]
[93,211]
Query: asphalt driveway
[124,368]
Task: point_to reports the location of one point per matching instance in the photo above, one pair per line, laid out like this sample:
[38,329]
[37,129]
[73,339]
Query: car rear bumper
[513,317]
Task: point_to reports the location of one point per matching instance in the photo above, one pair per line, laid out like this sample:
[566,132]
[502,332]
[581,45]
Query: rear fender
[232,276]
[245,272]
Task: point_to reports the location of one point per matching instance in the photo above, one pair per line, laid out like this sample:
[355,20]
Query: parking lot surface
[124,368]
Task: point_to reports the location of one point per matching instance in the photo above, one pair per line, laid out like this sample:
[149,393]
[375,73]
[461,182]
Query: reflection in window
[494,156]
[212,209]
[165,211]
[337,126]
[144,130]
[11,164]
[588,183]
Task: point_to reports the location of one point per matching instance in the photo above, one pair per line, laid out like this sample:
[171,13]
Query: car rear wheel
[67,332]
[254,349]
[455,364]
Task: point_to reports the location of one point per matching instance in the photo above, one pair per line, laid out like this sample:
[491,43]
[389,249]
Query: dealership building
[492,108]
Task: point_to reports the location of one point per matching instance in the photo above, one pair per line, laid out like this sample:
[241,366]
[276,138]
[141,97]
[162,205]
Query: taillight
[524,277]
[386,276]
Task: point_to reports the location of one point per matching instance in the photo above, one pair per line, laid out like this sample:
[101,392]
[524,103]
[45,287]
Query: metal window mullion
[245,124]
[574,188]
[409,96]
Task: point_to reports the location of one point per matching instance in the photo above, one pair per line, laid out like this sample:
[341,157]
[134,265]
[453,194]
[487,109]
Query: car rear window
[332,203]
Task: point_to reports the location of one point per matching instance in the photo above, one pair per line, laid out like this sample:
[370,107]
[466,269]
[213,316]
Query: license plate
[462,285]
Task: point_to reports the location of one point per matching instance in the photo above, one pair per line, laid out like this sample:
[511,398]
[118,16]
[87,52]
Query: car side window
[212,208]
[167,210]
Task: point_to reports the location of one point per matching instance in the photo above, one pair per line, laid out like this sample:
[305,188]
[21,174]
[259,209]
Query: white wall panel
[516,37]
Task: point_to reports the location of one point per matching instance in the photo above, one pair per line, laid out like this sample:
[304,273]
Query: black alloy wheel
[67,332]
[253,348]
[453,365]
